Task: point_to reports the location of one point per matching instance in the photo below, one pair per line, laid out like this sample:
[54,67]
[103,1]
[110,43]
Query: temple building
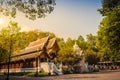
[38,56]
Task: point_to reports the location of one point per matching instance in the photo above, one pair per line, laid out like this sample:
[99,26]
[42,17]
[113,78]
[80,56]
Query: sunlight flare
[1,21]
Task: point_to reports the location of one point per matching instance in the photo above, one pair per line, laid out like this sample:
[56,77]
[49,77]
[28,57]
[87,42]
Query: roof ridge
[34,43]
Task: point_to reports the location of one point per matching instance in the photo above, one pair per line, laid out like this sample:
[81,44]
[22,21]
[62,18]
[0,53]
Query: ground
[102,75]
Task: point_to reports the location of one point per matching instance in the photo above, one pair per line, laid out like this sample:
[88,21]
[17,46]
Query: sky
[70,18]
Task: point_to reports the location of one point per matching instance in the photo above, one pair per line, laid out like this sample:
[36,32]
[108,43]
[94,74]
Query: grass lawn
[29,74]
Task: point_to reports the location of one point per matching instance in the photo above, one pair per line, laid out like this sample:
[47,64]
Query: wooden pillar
[34,63]
[37,65]
[38,62]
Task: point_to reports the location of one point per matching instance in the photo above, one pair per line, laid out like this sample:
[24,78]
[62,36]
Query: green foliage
[91,42]
[30,74]
[81,43]
[109,35]
[69,42]
[31,8]
[67,55]
[9,36]
[108,6]
[80,38]
[61,43]
[8,39]
[92,57]
[90,51]
[3,54]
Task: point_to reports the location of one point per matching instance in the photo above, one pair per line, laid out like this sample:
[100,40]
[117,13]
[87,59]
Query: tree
[108,6]
[8,40]
[80,38]
[69,42]
[109,35]
[92,57]
[66,55]
[9,36]
[31,8]
[3,54]
[91,52]
[91,42]
[61,43]
[81,43]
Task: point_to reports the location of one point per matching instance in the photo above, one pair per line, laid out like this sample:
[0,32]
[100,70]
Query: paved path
[104,75]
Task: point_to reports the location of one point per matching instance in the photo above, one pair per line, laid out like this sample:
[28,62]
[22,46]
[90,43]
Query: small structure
[34,58]
[83,67]
[77,50]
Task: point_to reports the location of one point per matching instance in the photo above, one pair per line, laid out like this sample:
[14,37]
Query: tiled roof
[51,43]
[33,55]
[34,49]
[39,41]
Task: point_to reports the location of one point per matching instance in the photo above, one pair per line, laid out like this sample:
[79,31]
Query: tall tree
[31,8]
[91,41]
[108,34]
[108,6]
[8,40]
[9,36]
[81,43]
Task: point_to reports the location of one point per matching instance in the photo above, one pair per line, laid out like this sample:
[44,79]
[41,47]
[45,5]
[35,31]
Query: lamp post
[11,33]
[10,51]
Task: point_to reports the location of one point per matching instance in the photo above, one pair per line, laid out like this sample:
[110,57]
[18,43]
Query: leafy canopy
[32,9]
[108,6]
[108,35]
